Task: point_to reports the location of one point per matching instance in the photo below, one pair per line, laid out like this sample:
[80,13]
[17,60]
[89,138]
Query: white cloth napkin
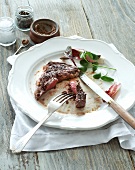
[47,138]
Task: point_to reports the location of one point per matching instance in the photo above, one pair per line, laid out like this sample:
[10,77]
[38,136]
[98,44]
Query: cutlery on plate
[113,104]
[54,104]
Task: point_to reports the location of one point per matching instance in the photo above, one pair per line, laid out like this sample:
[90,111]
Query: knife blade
[113,104]
[95,88]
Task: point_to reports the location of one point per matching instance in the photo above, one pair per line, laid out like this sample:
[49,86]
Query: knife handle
[123,113]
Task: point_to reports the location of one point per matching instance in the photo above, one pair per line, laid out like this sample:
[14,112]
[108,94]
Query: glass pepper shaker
[7,31]
[24,17]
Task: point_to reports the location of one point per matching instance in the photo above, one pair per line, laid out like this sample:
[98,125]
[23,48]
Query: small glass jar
[7,31]
[24,17]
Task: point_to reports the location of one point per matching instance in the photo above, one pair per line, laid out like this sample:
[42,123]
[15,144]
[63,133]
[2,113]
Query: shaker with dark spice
[24,17]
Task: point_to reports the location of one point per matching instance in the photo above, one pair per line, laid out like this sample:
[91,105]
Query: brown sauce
[45,29]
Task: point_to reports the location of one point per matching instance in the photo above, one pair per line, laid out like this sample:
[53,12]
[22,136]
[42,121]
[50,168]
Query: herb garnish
[97,76]
[104,78]
[88,60]
[86,54]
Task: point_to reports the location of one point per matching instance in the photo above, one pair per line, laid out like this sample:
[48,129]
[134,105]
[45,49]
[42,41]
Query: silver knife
[113,104]
[95,88]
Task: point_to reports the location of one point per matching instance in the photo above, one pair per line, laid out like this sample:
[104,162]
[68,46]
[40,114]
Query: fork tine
[63,100]
[58,96]
[62,97]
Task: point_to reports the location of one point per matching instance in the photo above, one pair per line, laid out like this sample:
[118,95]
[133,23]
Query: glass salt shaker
[24,17]
[7,31]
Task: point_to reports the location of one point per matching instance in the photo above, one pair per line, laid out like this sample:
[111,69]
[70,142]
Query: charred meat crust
[80,100]
[80,96]
[53,73]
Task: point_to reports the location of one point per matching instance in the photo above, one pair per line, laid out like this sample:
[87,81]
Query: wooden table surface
[112,21]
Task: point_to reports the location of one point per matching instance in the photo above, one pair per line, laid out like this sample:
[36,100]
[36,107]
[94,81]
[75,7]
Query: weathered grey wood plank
[103,157]
[132,156]
[70,14]
[113,22]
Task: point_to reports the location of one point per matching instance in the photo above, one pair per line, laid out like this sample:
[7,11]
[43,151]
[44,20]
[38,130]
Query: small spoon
[24,43]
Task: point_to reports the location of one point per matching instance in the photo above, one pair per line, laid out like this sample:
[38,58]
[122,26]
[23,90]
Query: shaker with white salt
[7,31]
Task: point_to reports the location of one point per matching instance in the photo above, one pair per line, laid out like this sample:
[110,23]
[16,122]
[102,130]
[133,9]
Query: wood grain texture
[103,157]
[111,21]
[70,17]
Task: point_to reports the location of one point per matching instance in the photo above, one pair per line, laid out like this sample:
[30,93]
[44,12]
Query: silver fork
[52,106]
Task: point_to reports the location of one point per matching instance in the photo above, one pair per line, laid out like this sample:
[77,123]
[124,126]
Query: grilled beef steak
[80,96]
[53,73]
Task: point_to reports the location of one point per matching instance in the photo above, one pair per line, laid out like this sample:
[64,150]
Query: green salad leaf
[107,79]
[97,76]
[86,63]
[104,78]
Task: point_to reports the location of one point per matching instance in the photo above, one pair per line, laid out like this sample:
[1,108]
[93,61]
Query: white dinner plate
[22,81]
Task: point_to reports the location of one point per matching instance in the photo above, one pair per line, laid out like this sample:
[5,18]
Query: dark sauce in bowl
[43,29]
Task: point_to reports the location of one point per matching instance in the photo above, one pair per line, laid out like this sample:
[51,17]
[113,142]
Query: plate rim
[38,45]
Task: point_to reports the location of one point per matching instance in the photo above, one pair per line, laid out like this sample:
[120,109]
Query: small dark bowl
[43,29]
